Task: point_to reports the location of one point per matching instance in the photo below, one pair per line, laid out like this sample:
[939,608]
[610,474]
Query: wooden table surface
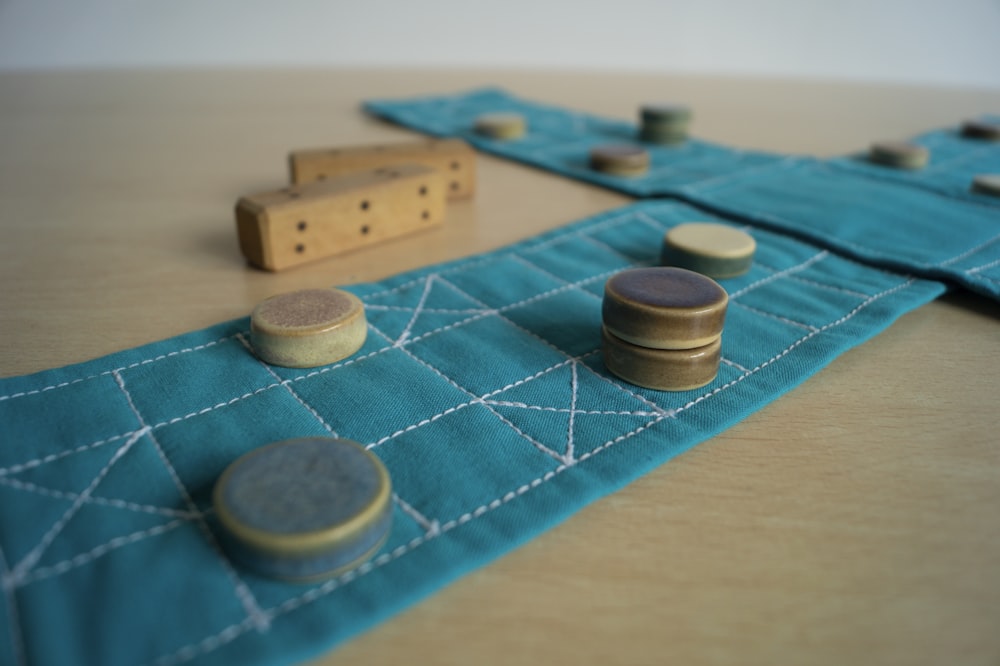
[855,520]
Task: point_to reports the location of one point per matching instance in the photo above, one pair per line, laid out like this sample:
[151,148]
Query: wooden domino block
[453,157]
[303,223]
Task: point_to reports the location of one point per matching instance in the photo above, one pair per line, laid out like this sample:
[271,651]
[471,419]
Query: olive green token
[987,183]
[308,328]
[664,123]
[620,160]
[978,129]
[503,126]
[661,369]
[716,250]
[899,154]
[304,509]
[664,308]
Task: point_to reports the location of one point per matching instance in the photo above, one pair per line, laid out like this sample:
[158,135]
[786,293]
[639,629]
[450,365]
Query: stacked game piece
[501,126]
[663,327]
[899,154]
[664,123]
[344,199]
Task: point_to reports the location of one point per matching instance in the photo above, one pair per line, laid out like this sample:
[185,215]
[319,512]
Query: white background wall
[954,42]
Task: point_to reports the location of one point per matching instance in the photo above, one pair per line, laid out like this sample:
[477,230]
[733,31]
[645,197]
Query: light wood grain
[854,520]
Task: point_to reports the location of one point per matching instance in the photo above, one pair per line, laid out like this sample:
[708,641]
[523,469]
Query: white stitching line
[564,410]
[17,646]
[429,526]
[62,567]
[428,285]
[569,454]
[820,285]
[785,320]
[92,499]
[819,256]
[733,364]
[52,457]
[288,387]
[243,593]
[982,267]
[110,372]
[422,423]
[538,445]
[569,356]
[28,561]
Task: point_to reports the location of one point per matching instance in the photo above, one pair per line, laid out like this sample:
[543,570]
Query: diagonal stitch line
[429,526]
[533,377]
[422,423]
[100,501]
[733,364]
[111,372]
[569,356]
[29,560]
[288,388]
[31,464]
[400,308]
[770,315]
[243,593]
[982,267]
[538,445]
[59,568]
[416,312]
[819,256]
[14,618]
[564,410]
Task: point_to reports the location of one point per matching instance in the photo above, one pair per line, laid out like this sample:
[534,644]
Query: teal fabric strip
[927,222]
[481,387]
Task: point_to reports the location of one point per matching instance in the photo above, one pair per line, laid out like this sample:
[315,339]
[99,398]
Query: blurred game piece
[716,250]
[303,223]
[664,123]
[978,129]
[503,126]
[987,183]
[308,328]
[305,509]
[620,160]
[899,154]
[453,157]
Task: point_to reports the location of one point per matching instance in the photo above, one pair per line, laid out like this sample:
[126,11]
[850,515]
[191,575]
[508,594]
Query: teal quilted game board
[480,387]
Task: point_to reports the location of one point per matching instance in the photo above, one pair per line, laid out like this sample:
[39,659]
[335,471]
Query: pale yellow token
[620,159]
[503,126]
[716,250]
[899,154]
[308,328]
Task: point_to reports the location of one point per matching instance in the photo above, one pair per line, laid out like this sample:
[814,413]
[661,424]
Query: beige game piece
[716,250]
[661,369]
[453,157]
[504,126]
[987,183]
[899,154]
[308,328]
[303,223]
[620,160]
[664,308]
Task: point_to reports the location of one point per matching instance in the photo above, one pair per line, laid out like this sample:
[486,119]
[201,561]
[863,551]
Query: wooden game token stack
[664,123]
[663,327]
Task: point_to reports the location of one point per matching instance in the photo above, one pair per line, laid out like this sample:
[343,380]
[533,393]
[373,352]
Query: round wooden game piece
[674,115]
[716,250]
[308,328]
[503,126]
[661,369]
[899,154]
[987,183]
[664,308]
[304,509]
[620,159]
[978,129]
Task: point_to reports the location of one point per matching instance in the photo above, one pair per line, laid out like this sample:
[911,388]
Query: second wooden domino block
[304,223]
[453,157]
